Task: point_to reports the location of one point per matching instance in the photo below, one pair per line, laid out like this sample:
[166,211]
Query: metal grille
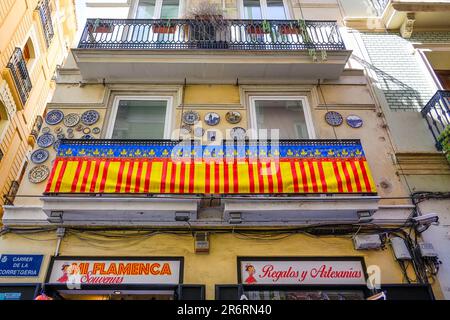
[437,114]
[46,20]
[202,34]
[19,71]
[380,5]
[8,199]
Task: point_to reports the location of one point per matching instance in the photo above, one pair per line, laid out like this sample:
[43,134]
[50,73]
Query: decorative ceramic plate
[333,118]
[45,130]
[233,117]
[86,130]
[191,117]
[96,130]
[185,129]
[211,135]
[199,132]
[354,121]
[87,137]
[56,145]
[212,118]
[237,133]
[90,117]
[54,117]
[39,156]
[38,174]
[71,120]
[45,140]
[79,127]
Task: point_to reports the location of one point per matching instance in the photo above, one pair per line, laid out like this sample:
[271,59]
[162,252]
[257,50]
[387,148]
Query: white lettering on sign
[302,272]
[115,271]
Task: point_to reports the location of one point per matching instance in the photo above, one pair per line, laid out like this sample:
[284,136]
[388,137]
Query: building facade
[36,37]
[244,149]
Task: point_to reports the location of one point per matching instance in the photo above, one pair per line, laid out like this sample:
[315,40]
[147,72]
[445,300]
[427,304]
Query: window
[140,118]
[289,115]
[29,53]
[3,119]
[158,9]
[264,9]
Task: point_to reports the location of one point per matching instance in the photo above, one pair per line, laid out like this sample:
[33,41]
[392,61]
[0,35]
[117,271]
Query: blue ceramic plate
[54,117]
[39,156]
[45,140]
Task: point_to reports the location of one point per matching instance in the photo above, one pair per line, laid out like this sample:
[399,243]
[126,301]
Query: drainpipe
[60,232]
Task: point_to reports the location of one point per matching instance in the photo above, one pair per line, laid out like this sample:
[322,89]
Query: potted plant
[167,27]
[208,28]
[264,28]
[100,27]
[444,141]
[289,29]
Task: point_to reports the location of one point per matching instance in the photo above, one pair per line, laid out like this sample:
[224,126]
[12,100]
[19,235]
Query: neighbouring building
[406,54]
[242,149]
[35,39]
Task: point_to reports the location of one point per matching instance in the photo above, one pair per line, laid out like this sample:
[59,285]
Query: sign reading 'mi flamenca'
[115,271]
[290,271]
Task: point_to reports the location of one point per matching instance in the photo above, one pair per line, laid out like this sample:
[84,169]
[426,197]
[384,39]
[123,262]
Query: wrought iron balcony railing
[437,114]
[233,167]
[202,34]
[46,20]
[8,198]
[380,5]
[20,75]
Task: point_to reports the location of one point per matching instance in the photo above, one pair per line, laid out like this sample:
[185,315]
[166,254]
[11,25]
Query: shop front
[312,278]
[119,278]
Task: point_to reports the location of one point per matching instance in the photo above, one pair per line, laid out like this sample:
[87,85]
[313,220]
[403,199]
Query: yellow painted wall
[18,21]
[217,267]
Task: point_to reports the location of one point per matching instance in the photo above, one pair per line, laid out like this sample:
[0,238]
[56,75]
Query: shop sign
[302,271]
[107,271]
[10,295]
[20,265]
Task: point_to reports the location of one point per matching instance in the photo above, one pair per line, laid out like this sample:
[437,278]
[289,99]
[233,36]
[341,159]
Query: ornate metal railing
[37,127]
[437,114]
[380,5]
[203,34]
[46,20]
[20,75]
[8,199]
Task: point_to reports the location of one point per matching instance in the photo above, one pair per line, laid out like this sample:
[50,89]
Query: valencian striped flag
[230,167]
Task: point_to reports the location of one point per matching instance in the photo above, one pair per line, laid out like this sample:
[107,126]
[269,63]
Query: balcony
[8,199]
[152,180]
[18,78]
[46,21]
[175,49]
[406,15]
[437,114]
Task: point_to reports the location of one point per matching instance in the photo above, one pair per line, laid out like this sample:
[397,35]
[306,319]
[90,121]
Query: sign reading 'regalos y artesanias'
[109,271]
[307,271]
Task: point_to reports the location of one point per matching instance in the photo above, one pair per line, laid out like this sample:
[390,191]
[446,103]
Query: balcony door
[140,118]
[158,32]
[264,10]
[157,9]
[269,11]
[283,117]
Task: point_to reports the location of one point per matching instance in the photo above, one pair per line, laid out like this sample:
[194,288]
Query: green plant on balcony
[309,42]
[444,140]
[210,26]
